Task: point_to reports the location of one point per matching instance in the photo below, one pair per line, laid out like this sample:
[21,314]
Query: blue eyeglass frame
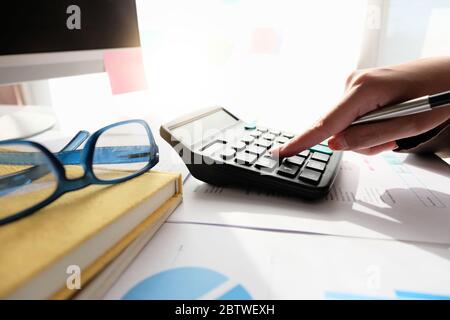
[84,157]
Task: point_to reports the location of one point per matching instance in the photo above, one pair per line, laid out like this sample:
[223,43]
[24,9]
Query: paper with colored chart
[391,196]
[185,261]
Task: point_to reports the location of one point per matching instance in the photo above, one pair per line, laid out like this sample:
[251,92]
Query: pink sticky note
[266,41]
[125,68]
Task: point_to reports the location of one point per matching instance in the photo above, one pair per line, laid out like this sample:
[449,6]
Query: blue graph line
[399,294]
[418,295]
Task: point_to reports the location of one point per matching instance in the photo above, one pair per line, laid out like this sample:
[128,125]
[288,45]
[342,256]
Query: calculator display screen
[206,126]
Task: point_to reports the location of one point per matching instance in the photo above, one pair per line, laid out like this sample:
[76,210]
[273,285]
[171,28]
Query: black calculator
[220,149]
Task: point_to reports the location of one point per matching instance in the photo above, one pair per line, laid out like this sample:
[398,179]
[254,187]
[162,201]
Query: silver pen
[418,105]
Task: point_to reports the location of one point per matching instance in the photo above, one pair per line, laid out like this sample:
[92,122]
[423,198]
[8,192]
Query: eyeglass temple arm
[21,179]
[38,171]
[110,155]
[102,155]
[76,141]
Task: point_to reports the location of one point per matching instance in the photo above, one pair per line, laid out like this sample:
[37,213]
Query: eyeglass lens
[121,151]
[27,178]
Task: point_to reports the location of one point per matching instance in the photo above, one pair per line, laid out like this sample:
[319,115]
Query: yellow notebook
[85,229]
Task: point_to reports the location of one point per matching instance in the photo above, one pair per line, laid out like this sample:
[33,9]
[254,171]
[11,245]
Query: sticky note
[266,41]
[125,68]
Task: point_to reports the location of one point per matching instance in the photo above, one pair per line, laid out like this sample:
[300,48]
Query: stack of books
[79,244]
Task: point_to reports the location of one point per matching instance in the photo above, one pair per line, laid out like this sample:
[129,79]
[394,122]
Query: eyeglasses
[31,176]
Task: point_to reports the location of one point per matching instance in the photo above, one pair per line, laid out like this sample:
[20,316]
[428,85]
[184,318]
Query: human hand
[367,90]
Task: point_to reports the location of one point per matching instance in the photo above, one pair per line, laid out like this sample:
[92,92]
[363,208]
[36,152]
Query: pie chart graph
[187,283]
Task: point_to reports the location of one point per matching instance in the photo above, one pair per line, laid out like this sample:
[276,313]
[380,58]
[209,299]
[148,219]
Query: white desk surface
[294,258]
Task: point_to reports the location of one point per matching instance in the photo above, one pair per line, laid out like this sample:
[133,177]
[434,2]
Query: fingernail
[338,143]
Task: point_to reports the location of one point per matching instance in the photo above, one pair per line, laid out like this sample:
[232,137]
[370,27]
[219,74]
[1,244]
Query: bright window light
[282,63]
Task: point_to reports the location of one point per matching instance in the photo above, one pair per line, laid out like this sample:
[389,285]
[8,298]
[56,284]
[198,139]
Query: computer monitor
[55,38]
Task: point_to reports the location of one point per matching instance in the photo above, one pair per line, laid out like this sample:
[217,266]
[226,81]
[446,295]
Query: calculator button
[295,160]
[266,163]
[323,149]
[255,150]
[256,134]
[212,147]
[268,136]
[282,140]
[263,143]
[310,175]
[287,135]
[250,125]
[304,153]
[263,129]
[227,153]
[275,132]
[238,145]
[247,139]
[245,158]
[288,170]
[320,156]
[316,165]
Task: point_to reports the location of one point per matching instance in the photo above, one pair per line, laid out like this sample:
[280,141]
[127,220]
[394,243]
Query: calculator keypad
[238,145]
[304,153]
[281,140]
[247,139]
[288,170]
[287,135]
[263,129]
[255,150]
[295,160]
[321,148]
[263,143]
[227,153]
[310,176]
[256,134]
[316,165]
[245,158]
[320,157]
[275,132]
[266,163]
[251,150]
[268,136]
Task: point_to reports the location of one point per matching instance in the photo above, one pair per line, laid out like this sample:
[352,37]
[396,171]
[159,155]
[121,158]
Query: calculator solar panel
[221,149]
